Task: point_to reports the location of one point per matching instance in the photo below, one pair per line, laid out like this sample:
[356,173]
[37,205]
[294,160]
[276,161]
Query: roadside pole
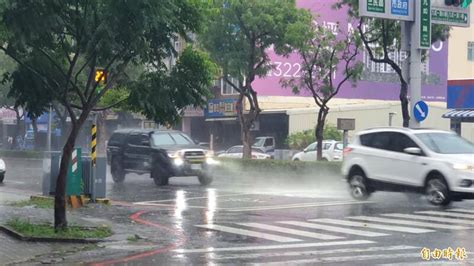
[93,156]
[49,130]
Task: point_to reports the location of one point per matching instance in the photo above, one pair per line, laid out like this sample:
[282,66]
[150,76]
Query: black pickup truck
[162,154]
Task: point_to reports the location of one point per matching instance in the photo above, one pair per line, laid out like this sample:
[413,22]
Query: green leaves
[162,96]
[238,32]
[324,54]
[59,43]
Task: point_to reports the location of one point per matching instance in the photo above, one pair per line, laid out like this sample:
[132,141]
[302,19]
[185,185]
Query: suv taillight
[346,151]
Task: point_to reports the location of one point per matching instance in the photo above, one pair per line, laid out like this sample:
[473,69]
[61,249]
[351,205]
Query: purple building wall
[378,81]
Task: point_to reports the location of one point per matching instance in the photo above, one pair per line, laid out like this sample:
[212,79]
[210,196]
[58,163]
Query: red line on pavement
[136,217]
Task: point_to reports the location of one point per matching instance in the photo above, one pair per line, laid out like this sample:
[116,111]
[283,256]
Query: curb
[11,232]
[104,201]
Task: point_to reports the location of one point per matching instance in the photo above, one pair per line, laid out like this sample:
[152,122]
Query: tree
[324,56]
[7,67]
[380,38]
[75,37]
[238,36]
[300,140]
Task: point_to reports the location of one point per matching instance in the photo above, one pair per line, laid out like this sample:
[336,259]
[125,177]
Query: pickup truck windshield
[259,142]
[166,139]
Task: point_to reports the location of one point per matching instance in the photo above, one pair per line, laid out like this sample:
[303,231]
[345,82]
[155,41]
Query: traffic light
[100,76]
[462,3]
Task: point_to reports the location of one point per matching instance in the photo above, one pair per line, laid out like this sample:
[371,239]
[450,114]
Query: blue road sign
[420,111]
[399,7]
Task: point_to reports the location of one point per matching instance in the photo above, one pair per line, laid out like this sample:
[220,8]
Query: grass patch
[45,230]
[133,238]
[278,165]
[41,203]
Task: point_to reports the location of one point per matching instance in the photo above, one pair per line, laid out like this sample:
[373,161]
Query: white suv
[436,162]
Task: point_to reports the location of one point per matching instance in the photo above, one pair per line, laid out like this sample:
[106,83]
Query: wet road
[258,219]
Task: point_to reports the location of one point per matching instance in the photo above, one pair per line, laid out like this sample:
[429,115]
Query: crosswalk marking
[407,222]
[375,226]
[429,218]
[460,210]
[344,259]
[291,231]
[449,214]
[239,231]
[309,252]
[334,229]
[269,247]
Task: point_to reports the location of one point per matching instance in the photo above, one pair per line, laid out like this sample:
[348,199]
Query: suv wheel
[358,186]
[437,191]
[118,174]
[205,179]
[159,178]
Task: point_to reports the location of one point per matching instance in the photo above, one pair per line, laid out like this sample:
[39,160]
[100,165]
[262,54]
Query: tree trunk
[319,131]
[34,123]
[60,221]
[244,129]
[17,129]
[404,103]
[246,142]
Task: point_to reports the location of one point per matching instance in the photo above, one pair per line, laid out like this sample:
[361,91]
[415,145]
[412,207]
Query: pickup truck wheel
[118,174]
[205,179]
[159,178]
[2,176]
[437,191]
[358,186]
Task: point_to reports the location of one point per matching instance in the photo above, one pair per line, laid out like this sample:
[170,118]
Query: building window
[227,89]
[470,51]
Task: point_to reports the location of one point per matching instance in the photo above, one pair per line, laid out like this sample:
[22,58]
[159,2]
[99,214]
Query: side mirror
[305,150]
[413,151]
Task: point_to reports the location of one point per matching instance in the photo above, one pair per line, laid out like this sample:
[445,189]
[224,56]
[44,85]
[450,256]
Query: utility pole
[50,114]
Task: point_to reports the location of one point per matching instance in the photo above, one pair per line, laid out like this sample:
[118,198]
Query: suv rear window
[366,139]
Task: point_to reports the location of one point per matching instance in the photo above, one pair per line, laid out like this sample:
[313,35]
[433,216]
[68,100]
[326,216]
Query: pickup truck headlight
[178,161]
[462,167]
[209,154]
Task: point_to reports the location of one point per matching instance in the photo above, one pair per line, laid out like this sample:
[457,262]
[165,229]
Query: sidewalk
[13,251]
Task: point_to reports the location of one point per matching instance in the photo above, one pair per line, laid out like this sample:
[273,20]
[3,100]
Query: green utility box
[74,185]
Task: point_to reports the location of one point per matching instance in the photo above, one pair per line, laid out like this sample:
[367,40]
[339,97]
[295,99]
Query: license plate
[196,166]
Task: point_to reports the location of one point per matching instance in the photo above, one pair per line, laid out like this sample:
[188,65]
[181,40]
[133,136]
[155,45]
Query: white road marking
[153,202]
[407,222]
[14,182]
[291,231]
[310,252]
[375,226]
[286,246]
[294,206]
[334,229]
[254,208]
[345,258]
[244,232]
[429,218]
[449,214]
[460,210]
